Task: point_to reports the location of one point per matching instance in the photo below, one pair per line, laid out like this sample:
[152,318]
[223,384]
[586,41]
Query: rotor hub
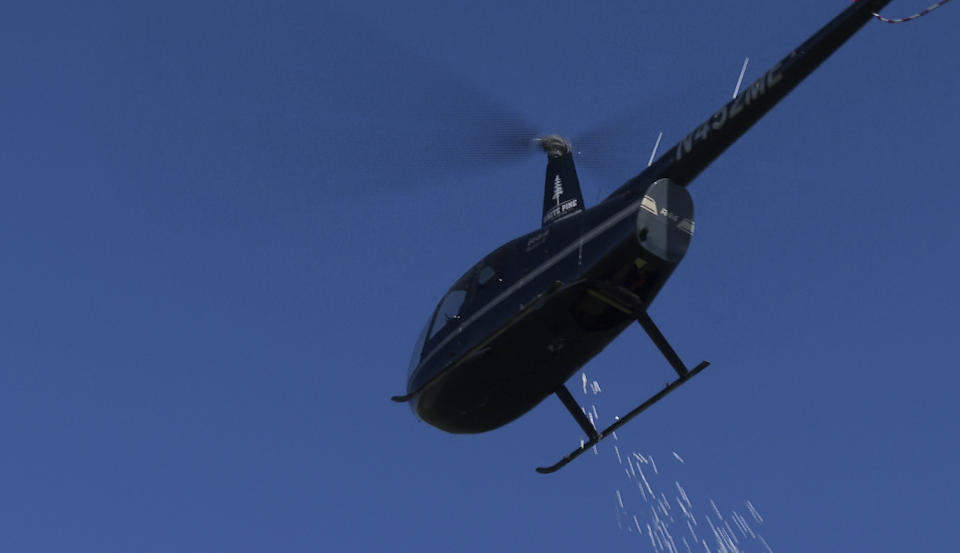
[554,144]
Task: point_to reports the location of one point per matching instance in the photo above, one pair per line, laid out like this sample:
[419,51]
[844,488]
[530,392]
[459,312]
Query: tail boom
[696,151]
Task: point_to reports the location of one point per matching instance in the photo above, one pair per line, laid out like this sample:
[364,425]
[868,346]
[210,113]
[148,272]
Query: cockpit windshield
[445,318]
[449,311]
[418,350]
[475,288]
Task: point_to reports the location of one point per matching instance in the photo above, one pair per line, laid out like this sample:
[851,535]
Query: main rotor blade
[400,111]
[615,149]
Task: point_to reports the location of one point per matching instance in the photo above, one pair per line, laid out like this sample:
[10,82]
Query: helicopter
[522,320]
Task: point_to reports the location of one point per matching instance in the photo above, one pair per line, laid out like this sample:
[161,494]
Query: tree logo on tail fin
[557,189]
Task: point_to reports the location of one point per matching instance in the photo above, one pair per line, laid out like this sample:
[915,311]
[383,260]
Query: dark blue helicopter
[517,325]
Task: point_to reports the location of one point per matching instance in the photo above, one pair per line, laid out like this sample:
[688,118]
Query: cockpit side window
[448,312]
[485,275]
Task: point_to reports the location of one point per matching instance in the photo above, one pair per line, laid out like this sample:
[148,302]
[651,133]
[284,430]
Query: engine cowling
[665,222]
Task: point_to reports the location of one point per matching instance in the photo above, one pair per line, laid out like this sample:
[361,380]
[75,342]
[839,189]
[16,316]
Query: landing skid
[577,412]
[597,436]
[404,399]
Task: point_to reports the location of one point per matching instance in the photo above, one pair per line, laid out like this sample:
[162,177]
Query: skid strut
[571,404]
[662,344]
[563,393]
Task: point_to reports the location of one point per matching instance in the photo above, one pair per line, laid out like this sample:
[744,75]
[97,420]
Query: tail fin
[561,188]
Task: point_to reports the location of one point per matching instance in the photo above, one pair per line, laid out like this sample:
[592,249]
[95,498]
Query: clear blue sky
[224,224]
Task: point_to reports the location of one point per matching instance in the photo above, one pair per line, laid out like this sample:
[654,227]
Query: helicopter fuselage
[532,312]
[519,323]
